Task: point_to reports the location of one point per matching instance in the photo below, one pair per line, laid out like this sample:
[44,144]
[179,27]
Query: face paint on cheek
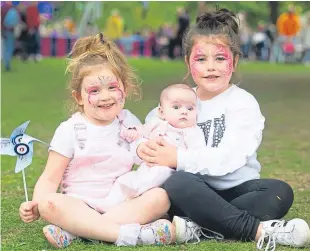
[92,98]
[229,64]
[118,90]
[193,62]
[121,95]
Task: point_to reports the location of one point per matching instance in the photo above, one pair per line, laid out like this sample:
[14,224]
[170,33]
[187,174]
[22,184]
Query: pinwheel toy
[19,144]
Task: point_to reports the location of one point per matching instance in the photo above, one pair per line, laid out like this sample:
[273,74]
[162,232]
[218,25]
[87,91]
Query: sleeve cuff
[65,154]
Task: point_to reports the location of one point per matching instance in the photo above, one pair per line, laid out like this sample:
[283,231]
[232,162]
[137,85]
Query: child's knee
[159,198]
[48,206]
[284,197]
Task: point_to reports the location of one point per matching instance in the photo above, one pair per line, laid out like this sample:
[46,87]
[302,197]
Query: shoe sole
[50,238]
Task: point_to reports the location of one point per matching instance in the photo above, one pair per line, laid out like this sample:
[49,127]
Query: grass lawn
[37,92]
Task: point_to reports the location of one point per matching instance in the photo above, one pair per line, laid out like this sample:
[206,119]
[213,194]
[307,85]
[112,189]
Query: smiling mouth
[212,77]
[106,106]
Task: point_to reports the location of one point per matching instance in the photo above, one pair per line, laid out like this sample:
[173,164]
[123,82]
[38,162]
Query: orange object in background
[288,24]
[69,25]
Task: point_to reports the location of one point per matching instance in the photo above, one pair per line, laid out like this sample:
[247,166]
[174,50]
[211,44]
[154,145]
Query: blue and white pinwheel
[19,144]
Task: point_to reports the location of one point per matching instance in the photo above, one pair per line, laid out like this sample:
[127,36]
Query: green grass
[37,92]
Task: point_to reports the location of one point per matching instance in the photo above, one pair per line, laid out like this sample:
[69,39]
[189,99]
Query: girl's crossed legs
[120,225]
[246,212]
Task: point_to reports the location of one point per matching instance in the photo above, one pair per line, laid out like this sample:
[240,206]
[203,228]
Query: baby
[176,123]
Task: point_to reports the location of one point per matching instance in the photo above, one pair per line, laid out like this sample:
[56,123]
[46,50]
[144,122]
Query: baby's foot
[58,237]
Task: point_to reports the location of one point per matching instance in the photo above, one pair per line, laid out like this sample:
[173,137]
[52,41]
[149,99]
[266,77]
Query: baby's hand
[129,134]
[28,211]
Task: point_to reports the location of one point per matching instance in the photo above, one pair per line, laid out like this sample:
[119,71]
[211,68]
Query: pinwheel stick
[25,186]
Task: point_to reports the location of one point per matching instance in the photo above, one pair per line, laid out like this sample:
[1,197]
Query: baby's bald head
[178,106]
[167,93]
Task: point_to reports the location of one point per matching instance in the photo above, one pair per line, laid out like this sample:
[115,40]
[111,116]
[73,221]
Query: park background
[36,91]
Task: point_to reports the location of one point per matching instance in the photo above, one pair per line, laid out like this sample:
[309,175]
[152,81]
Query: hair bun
[214,20]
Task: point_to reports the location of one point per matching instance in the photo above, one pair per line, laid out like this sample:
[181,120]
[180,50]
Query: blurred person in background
[70,25]
[183,24]
[305,41]
[270,31]
[126,41]
[153,44]
[245,35]
[33,23]
[114,26]
[10,18]
[260,42]
[288,48]
[22,36]
[163,36]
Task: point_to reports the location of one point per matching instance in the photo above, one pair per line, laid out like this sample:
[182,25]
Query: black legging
[235,212]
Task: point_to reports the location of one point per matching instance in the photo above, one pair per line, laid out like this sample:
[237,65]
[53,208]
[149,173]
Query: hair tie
[101,38]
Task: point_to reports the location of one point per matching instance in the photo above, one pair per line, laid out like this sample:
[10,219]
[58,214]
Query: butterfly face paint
[102,96]
[227,56]
[194,60]
[112,84]
[108,84]
[211,66]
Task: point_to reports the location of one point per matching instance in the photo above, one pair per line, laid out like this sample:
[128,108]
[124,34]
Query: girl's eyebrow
[113,83]
[221,54]
[98,83]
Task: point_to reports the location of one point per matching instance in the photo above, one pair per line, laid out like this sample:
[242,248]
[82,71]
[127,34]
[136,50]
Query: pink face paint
[193,64]
[227,55]
[92,92]
[111,83]
[120,93]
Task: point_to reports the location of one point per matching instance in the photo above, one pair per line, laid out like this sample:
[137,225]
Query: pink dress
[99,157]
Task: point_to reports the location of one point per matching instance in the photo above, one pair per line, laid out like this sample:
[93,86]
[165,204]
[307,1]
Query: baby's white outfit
[135,183]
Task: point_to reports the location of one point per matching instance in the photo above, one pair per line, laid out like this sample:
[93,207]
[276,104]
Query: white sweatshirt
[232,124]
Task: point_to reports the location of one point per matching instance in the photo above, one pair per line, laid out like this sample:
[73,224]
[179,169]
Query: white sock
[128,235]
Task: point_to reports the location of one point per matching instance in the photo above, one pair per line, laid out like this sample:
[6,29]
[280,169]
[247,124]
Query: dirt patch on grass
[299,181]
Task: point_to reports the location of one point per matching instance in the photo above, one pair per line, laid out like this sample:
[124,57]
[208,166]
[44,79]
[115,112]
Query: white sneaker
[157,232]
[294,233]
[187,230]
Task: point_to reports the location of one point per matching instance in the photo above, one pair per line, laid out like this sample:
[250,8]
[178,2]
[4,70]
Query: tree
[274,9]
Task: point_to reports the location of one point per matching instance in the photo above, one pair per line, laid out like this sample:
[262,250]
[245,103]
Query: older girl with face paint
[87,154]
[217,191]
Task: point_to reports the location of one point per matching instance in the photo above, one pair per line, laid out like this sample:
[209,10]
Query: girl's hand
[28,211]
[129,134]
[158,152]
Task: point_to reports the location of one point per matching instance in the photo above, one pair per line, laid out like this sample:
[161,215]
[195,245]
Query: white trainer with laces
[294,233]
[187,231]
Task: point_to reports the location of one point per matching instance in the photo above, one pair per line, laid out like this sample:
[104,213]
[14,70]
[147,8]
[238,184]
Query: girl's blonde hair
[92,51]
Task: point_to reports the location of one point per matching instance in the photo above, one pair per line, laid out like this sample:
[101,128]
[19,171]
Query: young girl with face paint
[218,187]
[87,154]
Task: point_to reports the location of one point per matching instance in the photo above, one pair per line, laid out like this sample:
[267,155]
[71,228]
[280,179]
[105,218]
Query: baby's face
[178,108]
